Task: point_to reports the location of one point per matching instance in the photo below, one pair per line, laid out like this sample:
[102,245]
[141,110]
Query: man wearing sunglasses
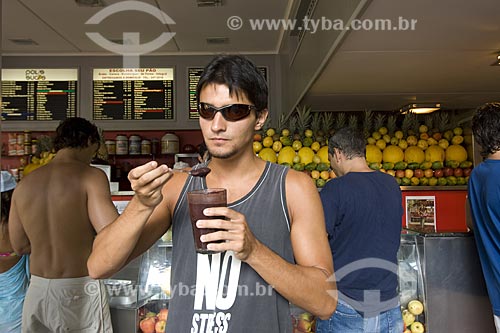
[274,247]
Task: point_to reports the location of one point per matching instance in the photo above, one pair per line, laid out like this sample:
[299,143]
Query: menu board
[133,93]
[194,74]
[39,94]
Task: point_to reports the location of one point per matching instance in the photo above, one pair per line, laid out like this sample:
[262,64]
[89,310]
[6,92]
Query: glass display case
[141,290]
[442,271]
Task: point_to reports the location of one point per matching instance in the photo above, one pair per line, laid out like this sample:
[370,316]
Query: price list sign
[133,93]
[39,94]
[194,74]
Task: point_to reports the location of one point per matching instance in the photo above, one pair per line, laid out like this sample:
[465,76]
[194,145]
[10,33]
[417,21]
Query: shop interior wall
[86,64]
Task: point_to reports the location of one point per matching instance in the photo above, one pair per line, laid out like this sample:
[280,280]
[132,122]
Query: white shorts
[62,305]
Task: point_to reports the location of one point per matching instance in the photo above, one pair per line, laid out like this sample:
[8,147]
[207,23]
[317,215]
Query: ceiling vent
[23,41]
[217,40]
[90,3]
[209,3]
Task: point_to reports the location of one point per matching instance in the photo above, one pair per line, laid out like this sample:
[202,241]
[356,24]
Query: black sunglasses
[231,112]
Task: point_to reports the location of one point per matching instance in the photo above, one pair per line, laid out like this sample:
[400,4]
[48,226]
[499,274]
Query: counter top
[123,193]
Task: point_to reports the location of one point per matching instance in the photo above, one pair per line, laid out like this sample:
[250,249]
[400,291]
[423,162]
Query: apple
[448,172]
[408,317]
[415,307]
[438,173]
[458,172]
[428,173]
[304,325]
[467,172]
[148,325]
[257,137]
[160,326]
[437,136]
[417,327]
[408,173]
[400,173]
[163,314]
[419,173]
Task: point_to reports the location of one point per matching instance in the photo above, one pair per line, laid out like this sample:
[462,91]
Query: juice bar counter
[443,271]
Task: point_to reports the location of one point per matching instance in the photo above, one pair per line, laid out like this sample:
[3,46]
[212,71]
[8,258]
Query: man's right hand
[147,182]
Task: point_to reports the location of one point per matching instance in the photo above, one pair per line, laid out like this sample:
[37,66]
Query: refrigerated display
[442,270]
[142,288]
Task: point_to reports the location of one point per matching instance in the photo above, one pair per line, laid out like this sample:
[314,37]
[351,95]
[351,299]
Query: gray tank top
[218,293]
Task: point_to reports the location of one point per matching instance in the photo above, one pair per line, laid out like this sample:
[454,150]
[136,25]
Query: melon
[434,153]
[414,154]
[267,154]
[456,153]
[306,155]
[392,154]
[373,154]
[286,155]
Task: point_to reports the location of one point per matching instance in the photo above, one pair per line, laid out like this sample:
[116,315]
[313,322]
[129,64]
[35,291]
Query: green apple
[417,327]
[415,307]
[408,317]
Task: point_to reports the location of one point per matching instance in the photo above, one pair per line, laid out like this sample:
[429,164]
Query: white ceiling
[446,59]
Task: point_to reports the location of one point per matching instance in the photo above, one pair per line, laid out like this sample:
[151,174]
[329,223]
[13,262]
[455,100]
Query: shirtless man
[56,212]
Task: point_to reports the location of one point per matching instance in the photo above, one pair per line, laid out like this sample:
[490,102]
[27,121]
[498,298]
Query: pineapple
[391,124]
[353,121]
[379,123]
[406,125]
[316,123]
[368,123]
[429,121]
[328,120]
[443,122]
[341,120]
[303,118]
[292,124]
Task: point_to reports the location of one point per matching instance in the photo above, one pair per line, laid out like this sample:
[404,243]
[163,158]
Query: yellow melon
[286,155]
[267,154]
[306,155]
[434,153]
[323,154]
[414,154]
[373,154]
[392,154]
[456,153]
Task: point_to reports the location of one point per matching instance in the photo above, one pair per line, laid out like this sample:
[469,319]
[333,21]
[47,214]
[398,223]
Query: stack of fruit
[151,322]
[423,158]
[302,154]
[410,315]
[423,151]
[303,322]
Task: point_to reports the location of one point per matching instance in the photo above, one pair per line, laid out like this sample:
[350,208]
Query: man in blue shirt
[484,199]
[363,210]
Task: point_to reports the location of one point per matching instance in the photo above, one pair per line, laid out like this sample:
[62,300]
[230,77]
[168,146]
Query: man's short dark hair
[75,133]
[486,127]
[240,75]
[350,141]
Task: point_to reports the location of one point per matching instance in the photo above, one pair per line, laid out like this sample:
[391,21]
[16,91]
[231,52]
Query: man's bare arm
[18,238]
[115,243]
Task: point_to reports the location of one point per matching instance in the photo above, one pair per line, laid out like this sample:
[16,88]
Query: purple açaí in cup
[199,200]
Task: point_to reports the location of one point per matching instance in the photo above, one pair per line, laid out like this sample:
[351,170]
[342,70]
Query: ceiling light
[23,41]
[420,108]
[90,3]
[209,3]
[217,40]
